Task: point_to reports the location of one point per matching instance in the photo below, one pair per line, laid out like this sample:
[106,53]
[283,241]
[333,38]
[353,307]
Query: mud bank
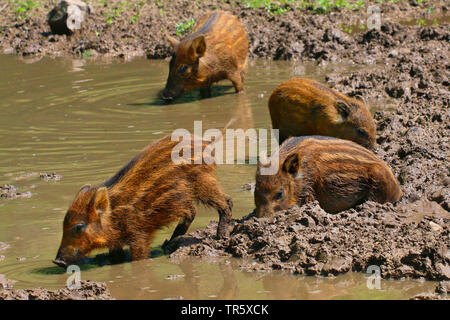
[411,89]
[126,29]
[89,291]
[307,240]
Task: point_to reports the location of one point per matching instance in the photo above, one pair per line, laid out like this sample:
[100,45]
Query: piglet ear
[100,203]
[174,42]
[343,110]
[198,48]
[292,164]
[84,188]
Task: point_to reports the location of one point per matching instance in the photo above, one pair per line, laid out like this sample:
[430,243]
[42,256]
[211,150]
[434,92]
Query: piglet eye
[183,69]
[279,195]
[79,228]
[362,133]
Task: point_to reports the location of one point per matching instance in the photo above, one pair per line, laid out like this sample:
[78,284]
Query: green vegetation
[120,6]
[272,7]
[114,13]
[277,7]
[138,6]
[184,26]
[23,7]
[324,6]
[87,54]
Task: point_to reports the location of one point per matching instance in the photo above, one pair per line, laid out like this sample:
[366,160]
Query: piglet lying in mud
[147,194]
[303,107]
[216,50]
[339,174]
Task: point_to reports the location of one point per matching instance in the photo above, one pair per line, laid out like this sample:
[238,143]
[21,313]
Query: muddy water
[84,119]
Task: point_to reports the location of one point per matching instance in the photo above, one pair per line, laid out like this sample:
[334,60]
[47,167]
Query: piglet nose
[167,98]
[60,262]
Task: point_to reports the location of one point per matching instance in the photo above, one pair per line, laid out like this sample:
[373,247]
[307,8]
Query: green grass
[324,6]
[114,13]
[117,8]
[184,26]
[273,7]
[87,54]
[22,8]
[277,7]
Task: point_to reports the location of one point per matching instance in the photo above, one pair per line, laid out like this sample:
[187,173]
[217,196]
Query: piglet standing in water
[216,50]
[339,174]
[150,192]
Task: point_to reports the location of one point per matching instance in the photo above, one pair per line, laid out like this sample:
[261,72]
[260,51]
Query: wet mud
[308,241]
[127,29]
[88,290]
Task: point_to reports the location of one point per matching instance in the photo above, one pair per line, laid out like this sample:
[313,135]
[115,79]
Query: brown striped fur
[338,173]
[147,194]
[216,50]
[303,107]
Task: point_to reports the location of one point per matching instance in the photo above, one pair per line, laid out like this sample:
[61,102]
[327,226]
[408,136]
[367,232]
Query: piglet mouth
[60,263]
[167,98]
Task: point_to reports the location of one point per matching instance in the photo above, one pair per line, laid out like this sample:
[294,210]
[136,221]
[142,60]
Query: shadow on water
[189,97]
[98,261]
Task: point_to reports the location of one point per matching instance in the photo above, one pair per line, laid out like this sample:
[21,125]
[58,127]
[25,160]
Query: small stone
[443,287]
[68,16]
[50,176]
[435,227]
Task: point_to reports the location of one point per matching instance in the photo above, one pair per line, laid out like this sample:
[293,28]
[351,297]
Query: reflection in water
[83,120]
[194,279]
[77,65]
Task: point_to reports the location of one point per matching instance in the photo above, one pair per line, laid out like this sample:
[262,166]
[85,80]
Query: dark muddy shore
[117,30]
[308,241]
[89,291]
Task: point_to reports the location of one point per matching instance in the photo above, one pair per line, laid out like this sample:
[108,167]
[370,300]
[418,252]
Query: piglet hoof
[230,203]
[170,246]
[223,231]
[165,246]
[222,234]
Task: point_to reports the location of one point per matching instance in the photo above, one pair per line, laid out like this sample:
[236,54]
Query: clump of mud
[307,240]
[89,291]
[8,191]
[6,283]
[441,293]
[3,247]
[50,176]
